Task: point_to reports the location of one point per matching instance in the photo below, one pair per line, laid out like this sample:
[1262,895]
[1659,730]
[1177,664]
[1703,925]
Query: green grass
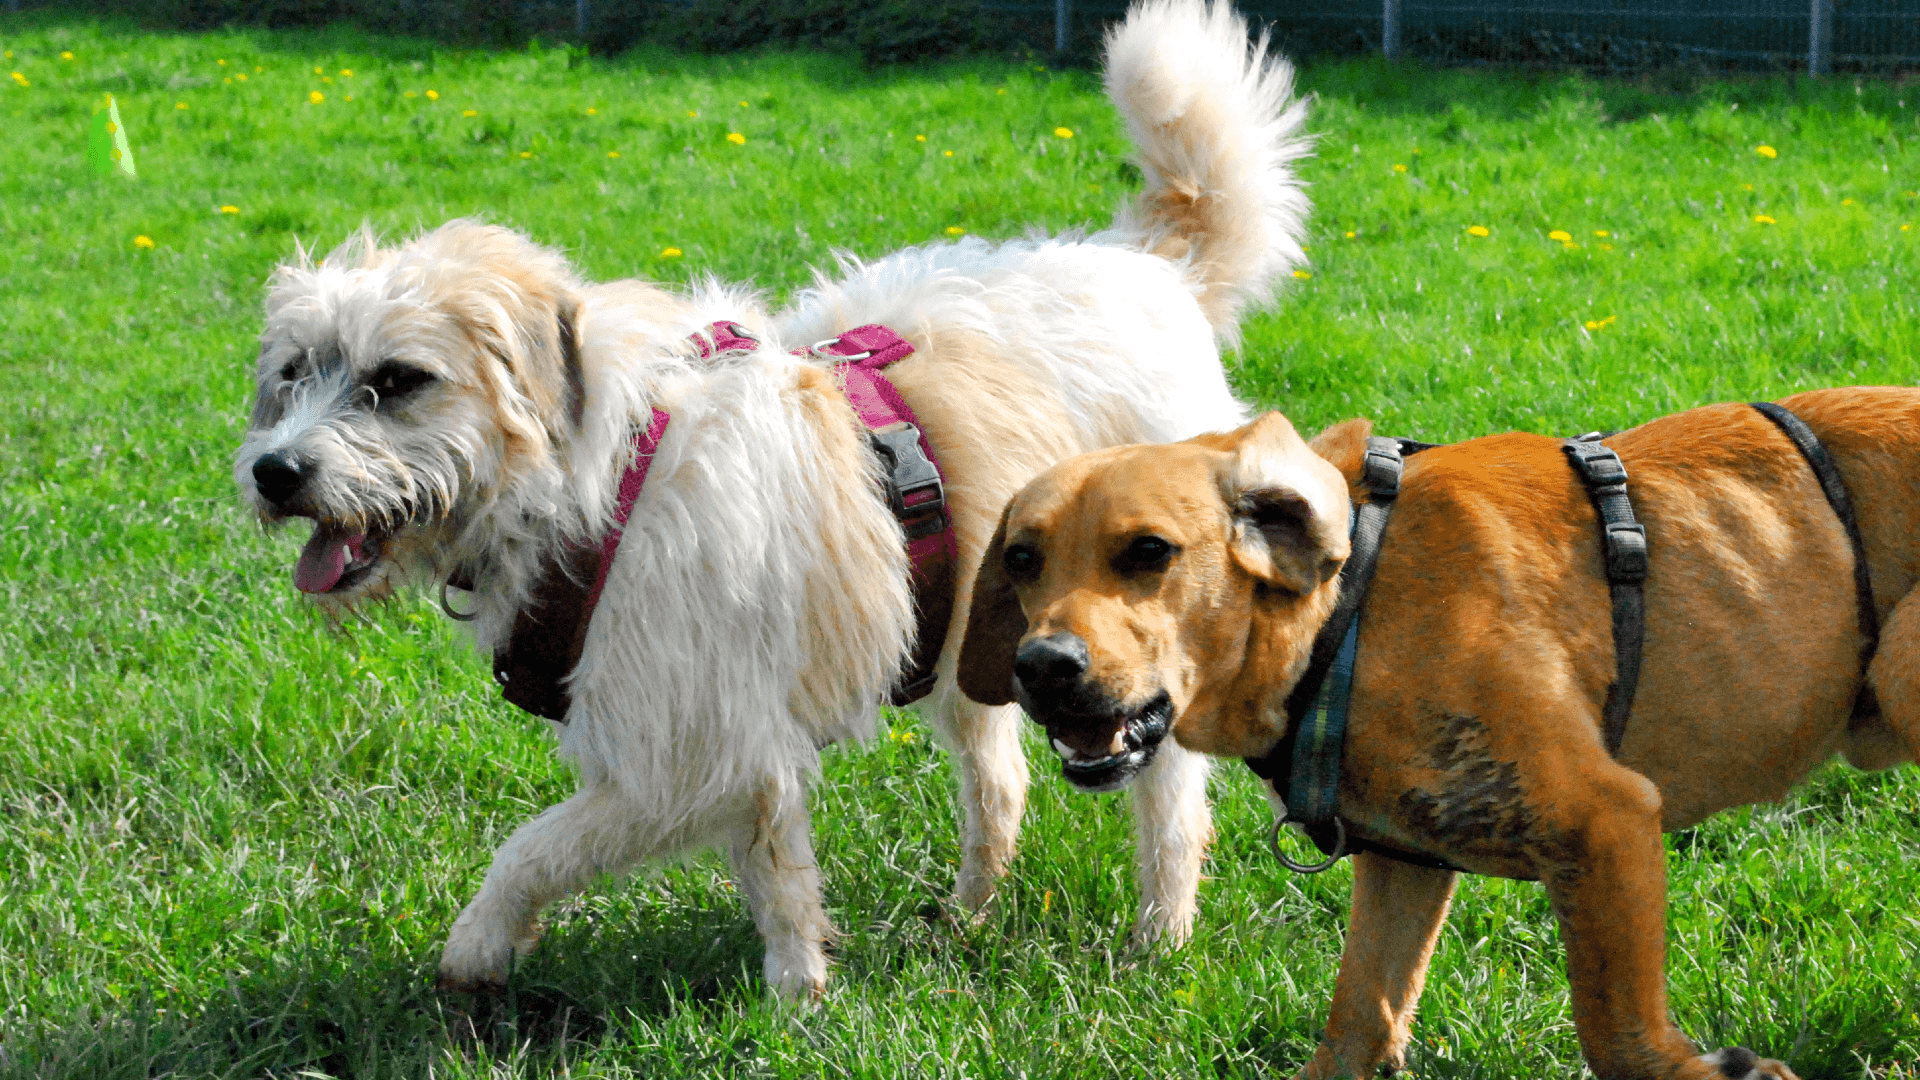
[233,839]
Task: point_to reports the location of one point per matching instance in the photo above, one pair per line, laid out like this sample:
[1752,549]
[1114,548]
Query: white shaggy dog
[463,408]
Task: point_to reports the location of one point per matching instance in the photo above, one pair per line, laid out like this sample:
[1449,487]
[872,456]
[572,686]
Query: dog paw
[797,974]
[1158,929]
[478,957]
[1740,1063]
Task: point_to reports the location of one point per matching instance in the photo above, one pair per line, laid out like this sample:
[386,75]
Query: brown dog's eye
[1147,554]
[1021,562]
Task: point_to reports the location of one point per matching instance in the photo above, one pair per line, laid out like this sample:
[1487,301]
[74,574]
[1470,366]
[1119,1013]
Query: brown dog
[1137,584]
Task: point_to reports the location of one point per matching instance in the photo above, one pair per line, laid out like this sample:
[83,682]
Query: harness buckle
[1599,466]
[1382,468]
[1626,552]
[914,492]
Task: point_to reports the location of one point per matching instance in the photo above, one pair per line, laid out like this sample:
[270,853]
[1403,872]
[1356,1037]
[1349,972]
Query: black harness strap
[1835,488]
[1624,542]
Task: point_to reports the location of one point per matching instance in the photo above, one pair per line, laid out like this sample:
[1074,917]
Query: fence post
[580,18]
[1390,28]
[1062,24]
[1820,38]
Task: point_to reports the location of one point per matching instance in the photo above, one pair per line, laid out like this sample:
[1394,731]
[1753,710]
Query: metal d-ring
[448,608]
[819,349]
[1339,849]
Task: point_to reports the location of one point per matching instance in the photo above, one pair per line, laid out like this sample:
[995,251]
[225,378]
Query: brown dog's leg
[1605,870]
[1893,737]
[1397,912]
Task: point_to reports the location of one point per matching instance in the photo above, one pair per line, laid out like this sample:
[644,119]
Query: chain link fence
[1876,36]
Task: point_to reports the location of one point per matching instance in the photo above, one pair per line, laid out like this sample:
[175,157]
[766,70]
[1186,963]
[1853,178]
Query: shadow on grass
[347,1013]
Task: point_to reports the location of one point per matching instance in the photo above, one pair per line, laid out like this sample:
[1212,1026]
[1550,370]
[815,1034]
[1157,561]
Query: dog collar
[550,632]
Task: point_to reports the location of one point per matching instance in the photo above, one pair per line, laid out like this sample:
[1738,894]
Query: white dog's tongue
[324,559]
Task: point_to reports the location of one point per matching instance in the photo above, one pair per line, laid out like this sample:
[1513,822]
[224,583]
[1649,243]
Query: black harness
[1310,753]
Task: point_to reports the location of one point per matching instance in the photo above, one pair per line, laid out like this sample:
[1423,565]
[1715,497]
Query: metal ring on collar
[1339,849]
[819,348]
[448,608]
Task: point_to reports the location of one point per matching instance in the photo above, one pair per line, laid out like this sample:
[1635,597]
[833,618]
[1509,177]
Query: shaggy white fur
[463,406]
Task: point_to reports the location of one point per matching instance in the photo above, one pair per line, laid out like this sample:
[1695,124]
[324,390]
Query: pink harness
[530,669]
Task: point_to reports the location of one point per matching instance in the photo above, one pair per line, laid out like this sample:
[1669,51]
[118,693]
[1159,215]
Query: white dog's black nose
[279,476]
[1052,663]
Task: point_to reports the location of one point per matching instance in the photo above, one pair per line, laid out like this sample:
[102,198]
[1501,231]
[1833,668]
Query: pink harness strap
[549,635]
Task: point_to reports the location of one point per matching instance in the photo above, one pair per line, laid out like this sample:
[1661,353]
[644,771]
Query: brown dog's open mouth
[335,560]
[1141,734]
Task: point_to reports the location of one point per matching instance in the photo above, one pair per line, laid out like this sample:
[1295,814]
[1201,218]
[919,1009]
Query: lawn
[233,838]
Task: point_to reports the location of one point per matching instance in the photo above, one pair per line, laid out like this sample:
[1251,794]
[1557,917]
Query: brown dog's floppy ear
[1289,508]
[995,625]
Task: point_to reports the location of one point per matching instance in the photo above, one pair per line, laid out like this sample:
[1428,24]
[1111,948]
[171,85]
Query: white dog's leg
[558,852]
[993,788]
[772,849]
[1172,827]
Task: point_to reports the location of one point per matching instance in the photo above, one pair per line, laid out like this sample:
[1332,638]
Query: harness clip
[914,492]
[1626,552]
[1382,468]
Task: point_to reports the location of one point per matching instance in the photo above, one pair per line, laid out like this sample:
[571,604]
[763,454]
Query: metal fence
[1811,35]
[1614,35]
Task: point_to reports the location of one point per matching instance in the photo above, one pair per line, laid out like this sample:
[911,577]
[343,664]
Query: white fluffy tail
[1218,131]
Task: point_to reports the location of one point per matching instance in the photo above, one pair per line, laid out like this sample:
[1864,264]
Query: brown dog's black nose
[278,476]
[1052,663]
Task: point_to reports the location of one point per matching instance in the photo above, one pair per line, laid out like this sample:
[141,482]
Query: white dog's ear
[995,625]
[1288,506]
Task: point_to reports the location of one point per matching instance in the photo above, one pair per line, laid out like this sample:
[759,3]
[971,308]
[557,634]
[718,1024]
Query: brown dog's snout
[1050,666]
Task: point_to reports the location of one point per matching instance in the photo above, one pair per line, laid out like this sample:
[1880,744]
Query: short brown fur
[1485,656]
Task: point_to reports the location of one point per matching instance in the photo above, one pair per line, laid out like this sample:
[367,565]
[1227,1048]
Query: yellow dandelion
[1766,151]
[470,112]
[1350,234]
[433,95]
[319,71]
[1606,247]
[693,112]
[229,209]
[955,230]
[21,79]
[736,138]
[316,97]
[1846,202]
[919,138]
[1397,167]
[1063,133]
[1570,246]
[1906,228]
[1002,90]
[1601,232]
[179,104]
[593,112]
[670,253]
[326,78]
[743,104]
[257,69]
[526,154]
[1479,230]
[1763,219]
[1303,275]
[613,153]
[222,63]
[349,97]
[1748,187]
[240,76]
[949,153]
[143,241]
[1561,235]
[1599,324]
[346,73]
[228,81]
[66,56]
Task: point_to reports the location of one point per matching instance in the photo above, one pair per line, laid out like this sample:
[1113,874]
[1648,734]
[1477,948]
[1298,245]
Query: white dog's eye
[393,380]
